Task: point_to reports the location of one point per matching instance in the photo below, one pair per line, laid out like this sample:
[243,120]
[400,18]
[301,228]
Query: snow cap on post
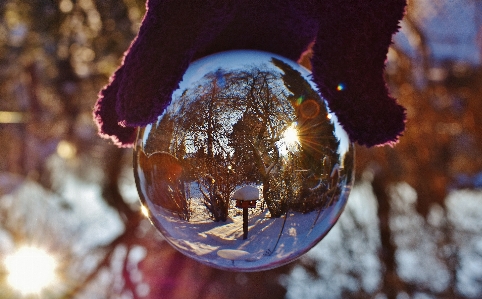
[246,193]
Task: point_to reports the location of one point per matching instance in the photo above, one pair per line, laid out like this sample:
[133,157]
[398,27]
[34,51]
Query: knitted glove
[351,40]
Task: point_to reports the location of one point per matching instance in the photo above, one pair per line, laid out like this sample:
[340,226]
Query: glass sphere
[246,169]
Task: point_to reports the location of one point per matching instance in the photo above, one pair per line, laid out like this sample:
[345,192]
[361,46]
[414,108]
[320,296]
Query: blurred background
[412,228]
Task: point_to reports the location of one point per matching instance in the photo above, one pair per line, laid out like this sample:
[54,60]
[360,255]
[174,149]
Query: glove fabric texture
[349,39]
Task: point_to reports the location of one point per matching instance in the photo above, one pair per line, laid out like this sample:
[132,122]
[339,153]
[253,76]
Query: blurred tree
[56,55]
[437,156]
[54,58]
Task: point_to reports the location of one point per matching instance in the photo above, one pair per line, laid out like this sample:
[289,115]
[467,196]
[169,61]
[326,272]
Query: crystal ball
[246,169]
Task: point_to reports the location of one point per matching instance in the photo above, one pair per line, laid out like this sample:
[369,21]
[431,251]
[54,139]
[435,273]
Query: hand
[352,40]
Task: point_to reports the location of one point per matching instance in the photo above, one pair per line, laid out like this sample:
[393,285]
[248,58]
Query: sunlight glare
[290,136]
[30,269]
[144,211]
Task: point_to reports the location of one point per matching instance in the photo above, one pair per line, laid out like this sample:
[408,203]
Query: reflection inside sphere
[246,169]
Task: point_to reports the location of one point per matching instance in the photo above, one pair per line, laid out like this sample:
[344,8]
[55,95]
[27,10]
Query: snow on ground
[271,242]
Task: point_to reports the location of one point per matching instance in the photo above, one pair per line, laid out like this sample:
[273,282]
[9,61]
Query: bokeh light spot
[8,117]
[66,150]
[66,6]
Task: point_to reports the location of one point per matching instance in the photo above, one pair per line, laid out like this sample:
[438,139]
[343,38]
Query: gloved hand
[351,40]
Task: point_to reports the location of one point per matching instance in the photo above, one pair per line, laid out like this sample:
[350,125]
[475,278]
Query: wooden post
[246,198]
[245,223]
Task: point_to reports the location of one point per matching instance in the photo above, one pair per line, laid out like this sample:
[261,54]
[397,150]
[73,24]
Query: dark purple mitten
[348,63]
[106,117]
[352,39]
[172,31]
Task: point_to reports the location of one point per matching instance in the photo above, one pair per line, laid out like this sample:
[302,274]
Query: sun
[289,140]
[30,270]
[290,135]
